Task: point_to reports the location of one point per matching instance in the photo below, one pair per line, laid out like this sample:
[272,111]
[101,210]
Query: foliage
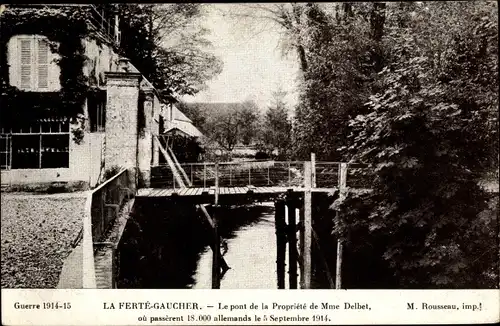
[227,124]
[195,112]
[111,172]
[412,89]
[166,43]
[65,27]
[423,133]
[336,81]
[275,133]
[187,149]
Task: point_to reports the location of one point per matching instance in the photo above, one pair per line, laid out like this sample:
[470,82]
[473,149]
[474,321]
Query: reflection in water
[165,246]
[251,255]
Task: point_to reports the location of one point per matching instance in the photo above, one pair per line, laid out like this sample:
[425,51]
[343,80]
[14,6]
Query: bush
[111,172]
[262,156]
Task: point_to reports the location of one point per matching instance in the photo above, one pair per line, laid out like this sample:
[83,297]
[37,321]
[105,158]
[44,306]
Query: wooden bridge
[204,184]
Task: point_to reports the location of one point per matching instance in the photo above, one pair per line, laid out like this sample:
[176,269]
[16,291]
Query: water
[174,252]
[251,255]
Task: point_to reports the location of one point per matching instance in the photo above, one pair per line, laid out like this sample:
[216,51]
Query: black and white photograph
[288,145]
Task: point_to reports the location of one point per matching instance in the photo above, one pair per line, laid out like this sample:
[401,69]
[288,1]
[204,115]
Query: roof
[179,121]
[183,126]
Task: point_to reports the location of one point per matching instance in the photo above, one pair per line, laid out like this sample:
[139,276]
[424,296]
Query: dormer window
[32,64]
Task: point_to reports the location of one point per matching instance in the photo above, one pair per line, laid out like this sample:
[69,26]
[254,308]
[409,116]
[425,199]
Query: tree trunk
[302,57]
[377,21]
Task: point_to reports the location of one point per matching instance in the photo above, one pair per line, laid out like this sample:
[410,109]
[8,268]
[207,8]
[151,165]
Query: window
[96,104]
[40,145]
[5,151]
[32,65]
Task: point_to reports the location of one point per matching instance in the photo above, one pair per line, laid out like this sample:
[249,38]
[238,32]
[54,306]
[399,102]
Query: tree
[275,134]
[249,116]
[224,128]
[338,79]
[227,124]
[424,134]
[168,45]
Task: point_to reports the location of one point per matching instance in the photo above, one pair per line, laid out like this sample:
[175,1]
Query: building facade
[116,123]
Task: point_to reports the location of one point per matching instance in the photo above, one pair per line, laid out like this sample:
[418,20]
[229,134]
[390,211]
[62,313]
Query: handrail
[105,183]
[88,267]
[261,173]
[99,206]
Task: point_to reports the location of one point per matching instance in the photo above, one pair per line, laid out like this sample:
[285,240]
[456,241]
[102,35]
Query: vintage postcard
[250,164]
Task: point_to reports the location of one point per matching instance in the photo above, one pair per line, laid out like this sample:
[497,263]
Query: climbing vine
[65,29]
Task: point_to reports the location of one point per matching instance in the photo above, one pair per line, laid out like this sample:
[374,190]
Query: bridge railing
[233,174]
[260,174]
[101,209]
[107,200]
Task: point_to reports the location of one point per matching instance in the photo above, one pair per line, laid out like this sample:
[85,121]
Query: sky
[254,66]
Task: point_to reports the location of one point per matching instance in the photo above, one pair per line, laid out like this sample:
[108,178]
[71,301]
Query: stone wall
[122,119]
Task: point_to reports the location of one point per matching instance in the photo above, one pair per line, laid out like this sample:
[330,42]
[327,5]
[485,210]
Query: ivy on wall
[65,28]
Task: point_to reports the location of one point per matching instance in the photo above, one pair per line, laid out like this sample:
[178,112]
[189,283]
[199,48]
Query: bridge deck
[223,191]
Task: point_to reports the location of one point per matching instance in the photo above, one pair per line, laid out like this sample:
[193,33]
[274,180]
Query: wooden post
[215,254]
[280,226]
[342,194]
[230,179]
[292,245]
[338,269]
[342,179]
[306,259]
[289,175]
[313,170]
[204,175]
[216,183]
[301,245]
[249,178]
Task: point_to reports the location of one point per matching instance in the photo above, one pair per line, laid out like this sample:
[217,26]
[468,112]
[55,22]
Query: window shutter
[26,65]
[43,64]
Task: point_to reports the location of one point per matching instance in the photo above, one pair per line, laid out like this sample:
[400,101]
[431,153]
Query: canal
[251,254]
[165,245]
[168,247]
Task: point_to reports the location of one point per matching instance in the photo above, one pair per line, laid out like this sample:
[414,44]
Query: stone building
[115,128]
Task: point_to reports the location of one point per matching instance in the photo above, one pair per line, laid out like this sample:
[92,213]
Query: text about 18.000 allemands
[260,312]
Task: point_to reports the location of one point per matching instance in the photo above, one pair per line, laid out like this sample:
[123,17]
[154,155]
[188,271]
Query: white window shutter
[42,64]
[26,75]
